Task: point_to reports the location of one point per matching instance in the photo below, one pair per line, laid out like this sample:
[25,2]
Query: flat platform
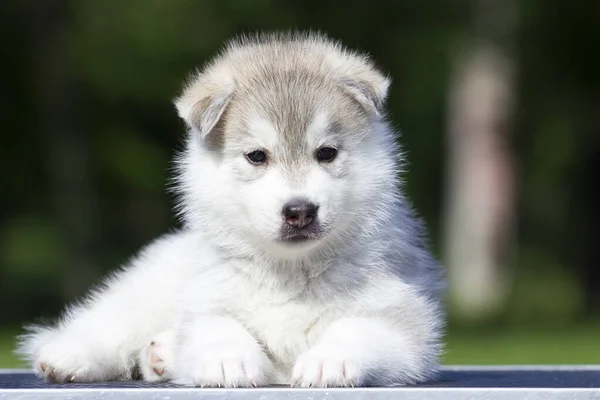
[491,383]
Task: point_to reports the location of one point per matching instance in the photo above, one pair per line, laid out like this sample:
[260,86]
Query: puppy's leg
[219,352]
[87,346]
[100,339]
[366,351]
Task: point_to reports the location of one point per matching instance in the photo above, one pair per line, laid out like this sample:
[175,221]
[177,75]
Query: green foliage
[542,345]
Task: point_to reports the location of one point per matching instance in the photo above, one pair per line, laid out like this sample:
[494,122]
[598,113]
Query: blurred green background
[88,131]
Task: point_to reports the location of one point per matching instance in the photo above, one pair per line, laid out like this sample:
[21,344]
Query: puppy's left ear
[203,102]
[366,84]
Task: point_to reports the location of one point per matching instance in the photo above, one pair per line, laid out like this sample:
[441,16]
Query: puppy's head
[287,150]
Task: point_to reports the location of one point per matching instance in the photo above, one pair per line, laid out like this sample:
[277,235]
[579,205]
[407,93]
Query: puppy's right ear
[202,103]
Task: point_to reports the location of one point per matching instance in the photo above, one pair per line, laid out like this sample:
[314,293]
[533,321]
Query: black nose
[300,213]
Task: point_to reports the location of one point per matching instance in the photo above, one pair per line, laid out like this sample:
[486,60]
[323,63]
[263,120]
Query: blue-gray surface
[531,382]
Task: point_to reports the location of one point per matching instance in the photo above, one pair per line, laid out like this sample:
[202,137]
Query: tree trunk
[481,189]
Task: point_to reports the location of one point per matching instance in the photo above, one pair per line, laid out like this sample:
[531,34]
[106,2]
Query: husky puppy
[301,261]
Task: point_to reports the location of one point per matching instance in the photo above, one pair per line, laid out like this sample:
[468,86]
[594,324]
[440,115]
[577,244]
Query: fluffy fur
[227,301]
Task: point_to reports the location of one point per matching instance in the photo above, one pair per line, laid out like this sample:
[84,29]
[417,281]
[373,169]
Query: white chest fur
[285,330]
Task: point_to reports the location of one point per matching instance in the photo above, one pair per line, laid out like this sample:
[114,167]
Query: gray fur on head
[207,94]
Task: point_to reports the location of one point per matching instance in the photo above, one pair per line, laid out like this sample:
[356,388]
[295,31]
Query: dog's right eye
[257,157]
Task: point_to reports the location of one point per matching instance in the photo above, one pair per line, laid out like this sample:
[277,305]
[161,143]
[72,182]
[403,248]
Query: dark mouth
[297,238]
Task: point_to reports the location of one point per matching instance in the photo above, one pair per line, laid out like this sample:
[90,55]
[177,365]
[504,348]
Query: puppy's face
[286,148]
[293,157]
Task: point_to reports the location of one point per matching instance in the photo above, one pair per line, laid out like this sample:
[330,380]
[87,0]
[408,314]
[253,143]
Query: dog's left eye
[326,154]
[257,157]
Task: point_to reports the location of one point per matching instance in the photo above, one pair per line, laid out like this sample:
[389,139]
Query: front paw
[223,364]
[328,366]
